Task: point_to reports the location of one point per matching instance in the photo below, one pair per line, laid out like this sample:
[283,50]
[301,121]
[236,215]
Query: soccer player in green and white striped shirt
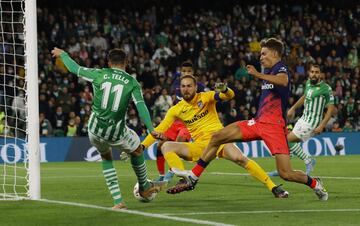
[113,88]
[317,96]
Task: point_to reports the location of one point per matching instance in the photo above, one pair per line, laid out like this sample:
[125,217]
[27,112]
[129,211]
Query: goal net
[18,102]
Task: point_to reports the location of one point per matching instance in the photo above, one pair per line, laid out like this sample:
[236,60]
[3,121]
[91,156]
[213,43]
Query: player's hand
[56,52]
[157,135]
[124,156]
[318,130]
[291,114]
[252,70]
[220,87]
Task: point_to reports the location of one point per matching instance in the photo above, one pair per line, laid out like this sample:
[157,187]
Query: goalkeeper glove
[220,87]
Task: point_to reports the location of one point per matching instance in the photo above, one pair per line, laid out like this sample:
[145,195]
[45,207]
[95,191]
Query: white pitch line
[340,178]
[92,176]
[326,177]
[263,211]
[135,212]
[212,173]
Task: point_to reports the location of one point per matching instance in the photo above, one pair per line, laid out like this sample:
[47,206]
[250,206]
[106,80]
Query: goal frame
[31,75]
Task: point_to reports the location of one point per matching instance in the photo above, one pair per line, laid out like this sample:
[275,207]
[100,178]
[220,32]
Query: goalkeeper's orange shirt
[199,116]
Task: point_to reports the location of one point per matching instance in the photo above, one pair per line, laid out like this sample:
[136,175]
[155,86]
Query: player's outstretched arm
[330,108]
[70,64]
[144,115]
[299,103]
[86,73]
[281,79]
[223,92]
[162,127]
[320,128]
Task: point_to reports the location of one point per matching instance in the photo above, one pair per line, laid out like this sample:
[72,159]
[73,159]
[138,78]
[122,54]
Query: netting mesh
[13,102]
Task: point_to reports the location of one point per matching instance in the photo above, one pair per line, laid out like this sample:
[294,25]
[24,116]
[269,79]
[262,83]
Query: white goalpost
[19,111]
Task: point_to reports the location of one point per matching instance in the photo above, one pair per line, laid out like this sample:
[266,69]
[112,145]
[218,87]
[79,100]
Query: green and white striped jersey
[317,97]
[113,88]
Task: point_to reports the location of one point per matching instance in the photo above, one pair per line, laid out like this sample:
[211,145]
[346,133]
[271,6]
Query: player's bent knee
[216,138]
[106,156]
[241,161]
[165,147]
[138,151]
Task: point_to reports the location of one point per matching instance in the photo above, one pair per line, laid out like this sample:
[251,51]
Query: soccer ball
[140,198]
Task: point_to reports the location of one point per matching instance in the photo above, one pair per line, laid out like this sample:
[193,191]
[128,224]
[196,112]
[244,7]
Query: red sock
[199,167]
[197,170]
[160,163]
[311,182]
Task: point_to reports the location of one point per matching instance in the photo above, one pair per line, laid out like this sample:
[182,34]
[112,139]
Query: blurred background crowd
[158,38]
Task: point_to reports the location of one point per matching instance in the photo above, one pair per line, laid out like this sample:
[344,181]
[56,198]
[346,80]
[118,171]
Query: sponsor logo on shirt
[267,86]
[197,117]
[283,69]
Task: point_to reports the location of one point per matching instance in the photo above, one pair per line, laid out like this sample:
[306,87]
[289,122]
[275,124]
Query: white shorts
[303,130]
[128,142]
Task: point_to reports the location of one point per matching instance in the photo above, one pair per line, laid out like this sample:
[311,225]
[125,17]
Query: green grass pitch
[224,196]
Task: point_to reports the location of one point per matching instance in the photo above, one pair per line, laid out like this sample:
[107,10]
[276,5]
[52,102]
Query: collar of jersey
[193,99]
[317,84]
[275,64]
[119,69]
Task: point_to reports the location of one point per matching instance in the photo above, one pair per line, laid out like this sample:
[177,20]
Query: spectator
[64,100]
[58,122]
[241,73]
[2,124]
[45,126]
[147,78]
[163,102]
[231,117]
[348,127]
[162,52]
[74,47]
[133,122]
[83,54]
[353,57]
[98,42]
[336,127]
[71,129]
[254,44]
[18,106]
[82,128]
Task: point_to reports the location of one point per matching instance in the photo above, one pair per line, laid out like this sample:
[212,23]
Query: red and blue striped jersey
[273,99]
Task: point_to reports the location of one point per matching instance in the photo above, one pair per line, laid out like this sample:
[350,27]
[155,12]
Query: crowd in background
[219,44]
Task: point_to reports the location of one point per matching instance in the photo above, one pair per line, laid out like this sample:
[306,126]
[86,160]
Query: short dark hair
[187,64]
[117,56]
[273,44]
[315,66]
[188,76]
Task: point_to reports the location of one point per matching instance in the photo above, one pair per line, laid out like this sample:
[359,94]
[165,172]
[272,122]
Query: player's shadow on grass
[209,204]
[237,184]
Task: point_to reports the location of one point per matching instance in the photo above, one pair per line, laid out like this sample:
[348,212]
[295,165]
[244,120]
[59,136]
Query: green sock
[112,181]
[139,166]
[296,149]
